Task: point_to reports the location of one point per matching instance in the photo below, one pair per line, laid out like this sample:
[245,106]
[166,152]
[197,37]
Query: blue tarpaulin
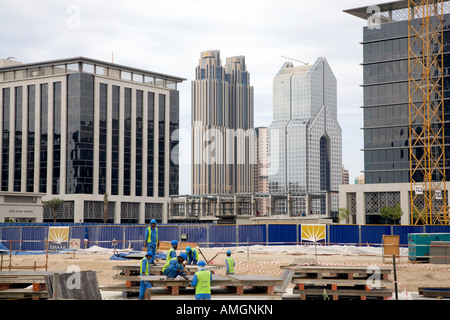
[124,256]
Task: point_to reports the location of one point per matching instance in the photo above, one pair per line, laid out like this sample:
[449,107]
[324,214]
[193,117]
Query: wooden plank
[22,293]
[356,293]
[340,282]
[337,269]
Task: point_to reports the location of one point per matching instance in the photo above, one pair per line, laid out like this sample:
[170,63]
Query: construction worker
[151,240]
[192,255]
[145,271]
[175,267]
[202,282]
[172,253]
[229,262]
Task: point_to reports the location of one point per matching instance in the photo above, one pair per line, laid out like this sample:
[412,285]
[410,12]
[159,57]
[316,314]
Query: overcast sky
[167,36]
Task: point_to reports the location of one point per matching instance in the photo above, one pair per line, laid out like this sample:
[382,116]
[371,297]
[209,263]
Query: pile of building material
[23,284]
[163,286]
[336,283]
[82,285]
[432,292]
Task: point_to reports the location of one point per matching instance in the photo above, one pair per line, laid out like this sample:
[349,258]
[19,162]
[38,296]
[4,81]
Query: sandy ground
[410,276]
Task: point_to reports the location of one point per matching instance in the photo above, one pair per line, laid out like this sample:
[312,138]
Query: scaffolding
[426,112]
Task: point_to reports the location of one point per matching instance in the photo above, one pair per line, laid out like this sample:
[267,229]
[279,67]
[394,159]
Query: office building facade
[223,139]
[305,139]
[386,114]
[79,128]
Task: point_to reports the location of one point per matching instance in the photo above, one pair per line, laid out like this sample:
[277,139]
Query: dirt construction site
[264,263]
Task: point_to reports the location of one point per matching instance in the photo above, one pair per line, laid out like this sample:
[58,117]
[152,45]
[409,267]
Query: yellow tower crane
[426,112]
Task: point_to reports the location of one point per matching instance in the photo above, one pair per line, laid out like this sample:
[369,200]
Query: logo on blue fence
[58,238]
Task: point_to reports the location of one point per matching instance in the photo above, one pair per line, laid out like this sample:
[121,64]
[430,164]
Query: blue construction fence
[32,237]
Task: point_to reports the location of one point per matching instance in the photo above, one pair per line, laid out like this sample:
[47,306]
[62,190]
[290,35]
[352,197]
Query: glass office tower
[305,137]
[79,128]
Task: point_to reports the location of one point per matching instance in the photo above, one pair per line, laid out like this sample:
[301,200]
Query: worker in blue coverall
[202,282]
[192,255]
[151,240]
[176,267]
[172,251]
[145,271]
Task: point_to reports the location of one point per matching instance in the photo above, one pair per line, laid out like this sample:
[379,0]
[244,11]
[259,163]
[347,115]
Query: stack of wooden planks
[334,282]
[229,284]
[23,284]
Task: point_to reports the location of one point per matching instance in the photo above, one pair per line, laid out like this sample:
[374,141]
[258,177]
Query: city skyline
[162,37]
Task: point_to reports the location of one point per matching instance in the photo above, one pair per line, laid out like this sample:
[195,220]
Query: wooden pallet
[235,284]
[14,284]
[339,282]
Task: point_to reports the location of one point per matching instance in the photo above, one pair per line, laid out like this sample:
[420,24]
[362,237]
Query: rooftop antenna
[305,63]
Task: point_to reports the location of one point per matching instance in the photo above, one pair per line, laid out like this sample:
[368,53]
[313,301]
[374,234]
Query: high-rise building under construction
[406,113]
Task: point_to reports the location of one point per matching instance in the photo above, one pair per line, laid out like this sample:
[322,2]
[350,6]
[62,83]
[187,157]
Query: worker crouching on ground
[151,241]
[145,271]
[202,282]
[229,262]
[172,253]
[175,267]
[192,255]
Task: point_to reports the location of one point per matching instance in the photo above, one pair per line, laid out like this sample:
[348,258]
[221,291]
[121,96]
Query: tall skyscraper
[305,139]
[79,128]
[222,114]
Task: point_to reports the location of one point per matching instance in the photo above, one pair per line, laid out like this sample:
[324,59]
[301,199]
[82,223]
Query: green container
[419,244]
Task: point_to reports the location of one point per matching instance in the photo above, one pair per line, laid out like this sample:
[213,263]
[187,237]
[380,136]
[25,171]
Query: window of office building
[139,141]
[44,138]
[150,142]
[127,144]
[6,110]
[161,144]
[115,140]
[174,140]
[31,137]
[103,134]
[80,134]
[18,138]
[56,137]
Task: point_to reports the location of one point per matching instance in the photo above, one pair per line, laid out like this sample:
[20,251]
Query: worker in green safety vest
[151,240]
[172,251]
[202,282]
[145,271]
[229,262]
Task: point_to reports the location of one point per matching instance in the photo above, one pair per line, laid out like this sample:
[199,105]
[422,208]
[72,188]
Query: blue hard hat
[183,255]
[174,242]
[202,263]
[153,221]
[149,253]
[228,252]
[188,249]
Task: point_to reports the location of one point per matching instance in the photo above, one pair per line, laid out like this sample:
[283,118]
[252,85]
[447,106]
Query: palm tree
[105,207]
[54,205]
